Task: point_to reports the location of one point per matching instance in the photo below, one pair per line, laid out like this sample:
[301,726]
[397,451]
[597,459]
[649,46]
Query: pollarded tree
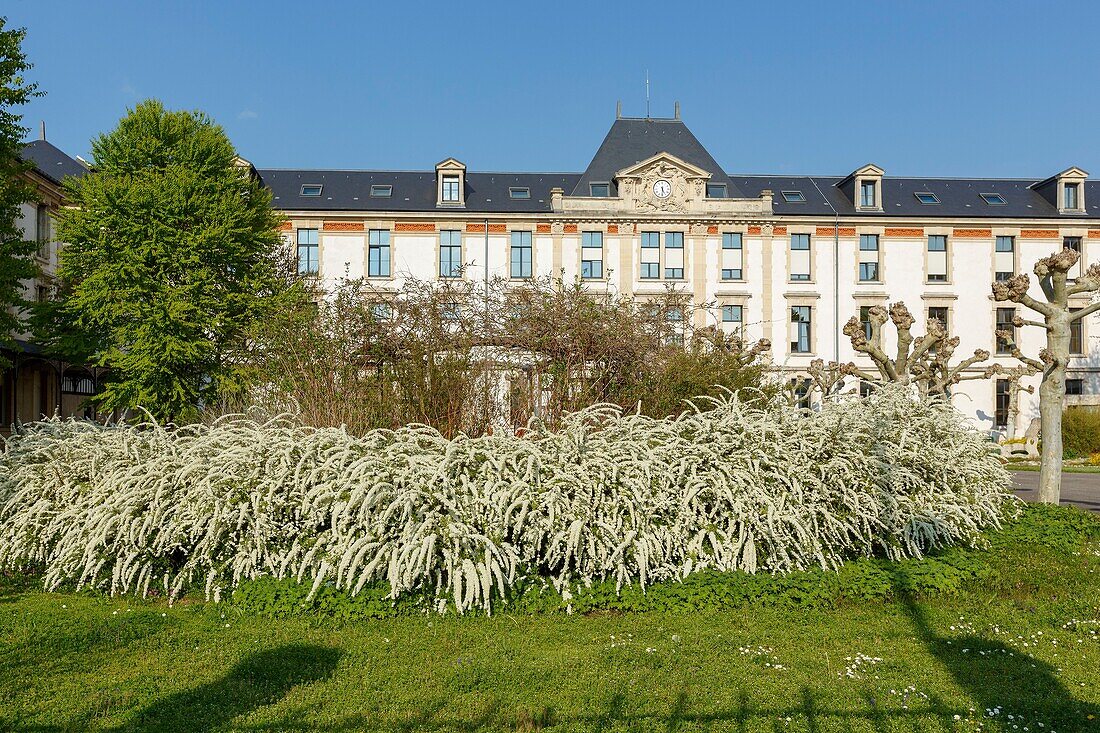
[172,257]
[16,253]
[1057,319]
[924,361]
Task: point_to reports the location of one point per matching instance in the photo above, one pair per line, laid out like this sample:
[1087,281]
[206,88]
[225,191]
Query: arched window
[81,384]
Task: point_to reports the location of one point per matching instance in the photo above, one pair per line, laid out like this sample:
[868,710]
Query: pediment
[450,164]
[663,163]
[869,170]
[1073,172]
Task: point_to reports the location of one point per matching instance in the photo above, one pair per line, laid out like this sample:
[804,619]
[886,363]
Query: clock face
[662,189]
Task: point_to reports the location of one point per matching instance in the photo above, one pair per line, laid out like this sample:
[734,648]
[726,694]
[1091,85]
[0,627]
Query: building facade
[787,258]
[36,385]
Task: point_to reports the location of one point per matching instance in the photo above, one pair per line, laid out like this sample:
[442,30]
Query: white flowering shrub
[610,495]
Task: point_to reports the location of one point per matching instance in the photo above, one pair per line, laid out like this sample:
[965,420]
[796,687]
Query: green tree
[172,258]
[16,254]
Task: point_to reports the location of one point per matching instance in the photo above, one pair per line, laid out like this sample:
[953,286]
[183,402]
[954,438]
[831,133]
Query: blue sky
[920,88]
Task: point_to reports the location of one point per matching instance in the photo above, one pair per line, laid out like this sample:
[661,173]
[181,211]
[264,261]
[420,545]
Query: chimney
[676,111]
[42,130]
[619,110]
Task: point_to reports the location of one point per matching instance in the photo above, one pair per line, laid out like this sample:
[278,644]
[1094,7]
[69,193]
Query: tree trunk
[1052,393]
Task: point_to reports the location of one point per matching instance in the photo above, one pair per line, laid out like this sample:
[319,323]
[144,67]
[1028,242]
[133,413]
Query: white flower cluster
[611,495]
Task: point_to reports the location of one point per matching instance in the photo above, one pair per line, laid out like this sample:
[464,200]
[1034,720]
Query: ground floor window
[1000,412]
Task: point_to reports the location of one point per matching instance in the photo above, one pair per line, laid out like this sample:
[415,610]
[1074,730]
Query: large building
[787,258]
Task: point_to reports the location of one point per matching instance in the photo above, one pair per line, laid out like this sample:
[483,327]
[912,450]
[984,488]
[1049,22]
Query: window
[794,197]
[42,231]
[1075,387]
[43,293]
[521,254]
[1000,411]
[674,316]
[378,253]
[1071,196]
[800,257]
[716,190]
[865,320]
[591,255]
[378,191]
[1074,243]
[800,390]
[800,329]
[1004,258]
[1005,317]
[866,389]
[450,190]
[926,197]
[381,311]
[937,258]
[674,255]
[993,199]
[599,190]
[868,258]
[307,252]
[733,314]
[732,256]
[651,255]
[450,253]
[939,313]
[519,193]
[311,189]
[77,384]
[450,312]
[867,194]
[1076,335]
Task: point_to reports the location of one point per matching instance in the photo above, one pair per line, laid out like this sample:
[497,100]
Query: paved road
[1080,489]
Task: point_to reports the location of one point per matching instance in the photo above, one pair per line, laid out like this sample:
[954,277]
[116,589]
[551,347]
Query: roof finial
[42,130]
[676,111]
[619,110]
[647,94]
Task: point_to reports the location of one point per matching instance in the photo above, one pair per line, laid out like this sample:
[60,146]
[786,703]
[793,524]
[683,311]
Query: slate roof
[51,161]
[632,140]
[959,197]
[412,190]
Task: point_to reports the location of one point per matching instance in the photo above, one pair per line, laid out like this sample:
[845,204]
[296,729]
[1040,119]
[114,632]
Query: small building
[36,385]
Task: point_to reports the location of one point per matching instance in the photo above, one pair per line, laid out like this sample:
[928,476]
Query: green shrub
[1080,432]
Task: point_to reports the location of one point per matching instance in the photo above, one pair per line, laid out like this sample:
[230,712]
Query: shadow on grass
[258,680]
[996,675]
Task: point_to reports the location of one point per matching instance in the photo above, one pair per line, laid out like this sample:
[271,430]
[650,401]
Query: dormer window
[450,189]
[863,188]
[1071,196]
[378,191]
[450,183]
[311,189]
[599,190]
[716,191]
[867,199]
[519,193]
[993,199]
[794,197]
[1065,190]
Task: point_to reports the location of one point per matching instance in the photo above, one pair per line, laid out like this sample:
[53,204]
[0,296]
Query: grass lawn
[1018,652]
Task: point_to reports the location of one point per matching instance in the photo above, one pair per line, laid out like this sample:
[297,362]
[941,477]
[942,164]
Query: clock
[662,189]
